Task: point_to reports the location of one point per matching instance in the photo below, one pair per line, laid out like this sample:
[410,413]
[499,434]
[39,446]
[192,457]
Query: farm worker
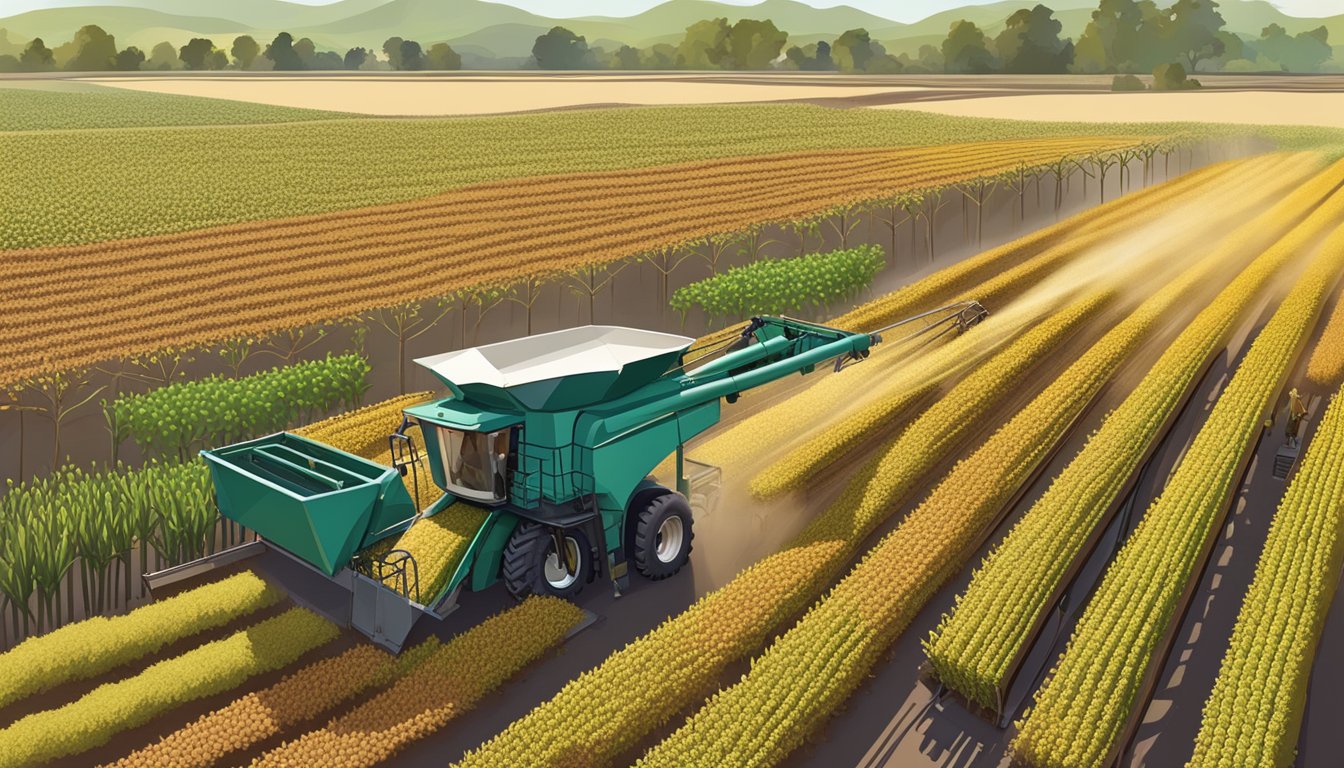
[1297,411]
[472,462]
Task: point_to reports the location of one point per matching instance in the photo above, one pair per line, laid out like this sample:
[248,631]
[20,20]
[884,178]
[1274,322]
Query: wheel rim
[670,535]
[557,576]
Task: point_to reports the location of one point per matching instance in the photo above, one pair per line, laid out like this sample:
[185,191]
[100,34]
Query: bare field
[423,97]
[1243,99]
[1245,107]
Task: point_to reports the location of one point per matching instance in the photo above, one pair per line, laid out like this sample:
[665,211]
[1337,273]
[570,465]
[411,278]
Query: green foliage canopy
[777,286]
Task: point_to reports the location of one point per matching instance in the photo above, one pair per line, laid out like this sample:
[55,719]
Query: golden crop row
[967,276]
[1255,711]
[95,645]
[448,682]
[363,431]
[203,671]
[782,423]
[972,649]
[276,281]
[806,674]
[494,203]
[889,394]
[1325,369]
[438,543]
[345,242]
[608,710]
[307,693]
[1084,704]
[949,283]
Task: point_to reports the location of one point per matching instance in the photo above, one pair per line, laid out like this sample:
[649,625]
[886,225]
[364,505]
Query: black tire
[525,566]
[652,555]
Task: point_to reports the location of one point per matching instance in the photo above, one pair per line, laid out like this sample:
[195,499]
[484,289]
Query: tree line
[1123,36]
[94,50]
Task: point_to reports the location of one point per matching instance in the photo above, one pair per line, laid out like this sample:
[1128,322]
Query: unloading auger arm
[767,340]
[952,318]
[770,348]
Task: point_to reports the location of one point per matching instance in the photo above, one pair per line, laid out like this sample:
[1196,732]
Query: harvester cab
[543,453]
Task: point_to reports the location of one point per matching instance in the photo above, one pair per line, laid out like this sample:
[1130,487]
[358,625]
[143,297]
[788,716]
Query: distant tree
[162,57]
[129,59]
[1127,83]
[63,54]
[1030,44]
[392,50]
[1274,42]
[245,51]
[824,59]
[1305,52]
[881,62]
[10,63]
[1311,51]
[329,60]
[355,58]
[627,57]
[966,50]
[412,58]
[1233,48]
[852,50]
[1114,41]
[754,44]
[814,57]
[561,49]
[374,64]
[1172,77]
[37,57]
[931,58]
[856,51]
[705,45]
[441,56]
[1190,30]
[217,59]
[281,52]
[659,56]
[195,52]
[306,50]
[95,50]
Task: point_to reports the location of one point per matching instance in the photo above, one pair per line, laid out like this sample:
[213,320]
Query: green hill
[675,15]
[494,29]
[131,26]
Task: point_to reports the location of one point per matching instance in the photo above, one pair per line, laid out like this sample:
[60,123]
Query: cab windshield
[476,463]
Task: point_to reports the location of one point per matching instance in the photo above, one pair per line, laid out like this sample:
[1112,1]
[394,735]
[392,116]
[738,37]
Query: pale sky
[900,10]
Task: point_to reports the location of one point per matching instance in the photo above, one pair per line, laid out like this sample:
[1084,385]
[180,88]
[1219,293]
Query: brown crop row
[78,305]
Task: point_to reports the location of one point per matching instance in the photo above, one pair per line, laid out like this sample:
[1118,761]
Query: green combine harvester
[553,437]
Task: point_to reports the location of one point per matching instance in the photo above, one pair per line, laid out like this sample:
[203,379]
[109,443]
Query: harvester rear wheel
[663,536]
[533,566]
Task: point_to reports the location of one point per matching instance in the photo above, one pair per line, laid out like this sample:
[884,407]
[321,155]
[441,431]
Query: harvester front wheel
[663,536]
[534,566]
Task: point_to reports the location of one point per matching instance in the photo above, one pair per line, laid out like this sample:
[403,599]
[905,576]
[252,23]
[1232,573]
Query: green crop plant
[173,419]
[783,286]
[95,518]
